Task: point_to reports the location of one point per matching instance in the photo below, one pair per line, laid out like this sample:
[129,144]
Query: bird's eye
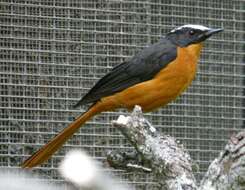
[191,32]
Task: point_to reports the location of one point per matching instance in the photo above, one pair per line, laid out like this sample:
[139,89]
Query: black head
[190,34]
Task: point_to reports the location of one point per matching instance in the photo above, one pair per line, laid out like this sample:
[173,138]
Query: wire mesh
[53,51]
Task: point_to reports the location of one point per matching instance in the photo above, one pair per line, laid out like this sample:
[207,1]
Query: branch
[170,162]
[130,161]
[228,170]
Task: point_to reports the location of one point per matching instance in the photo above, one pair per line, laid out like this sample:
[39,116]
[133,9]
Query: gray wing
[142,67]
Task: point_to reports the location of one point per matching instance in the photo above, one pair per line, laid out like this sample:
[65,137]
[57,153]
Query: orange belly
[168,84]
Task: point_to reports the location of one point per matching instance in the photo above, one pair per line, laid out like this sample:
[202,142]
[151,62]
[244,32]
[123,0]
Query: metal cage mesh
[53,51]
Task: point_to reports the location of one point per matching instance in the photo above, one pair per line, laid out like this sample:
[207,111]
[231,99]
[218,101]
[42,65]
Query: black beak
[206,34]
[212,31]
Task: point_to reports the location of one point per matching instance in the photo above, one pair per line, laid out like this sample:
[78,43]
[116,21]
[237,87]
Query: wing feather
[142,67]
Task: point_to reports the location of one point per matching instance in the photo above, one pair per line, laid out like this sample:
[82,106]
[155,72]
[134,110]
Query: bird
[152,78]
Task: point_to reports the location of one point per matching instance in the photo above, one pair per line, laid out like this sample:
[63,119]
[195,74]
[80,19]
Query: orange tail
[51,147]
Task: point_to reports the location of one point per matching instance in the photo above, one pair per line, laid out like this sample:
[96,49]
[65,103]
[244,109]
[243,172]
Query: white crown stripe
[199,27]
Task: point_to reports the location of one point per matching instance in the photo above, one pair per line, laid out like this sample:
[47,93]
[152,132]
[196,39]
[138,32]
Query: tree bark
[170,162]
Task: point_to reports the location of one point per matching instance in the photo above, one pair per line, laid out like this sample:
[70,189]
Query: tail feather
[51,147]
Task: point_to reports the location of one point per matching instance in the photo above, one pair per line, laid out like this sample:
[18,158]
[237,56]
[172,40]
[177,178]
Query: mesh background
[53,51]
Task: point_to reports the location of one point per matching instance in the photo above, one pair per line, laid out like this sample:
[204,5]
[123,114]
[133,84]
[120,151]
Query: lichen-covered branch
[170,162]
[228,170]
[130,161]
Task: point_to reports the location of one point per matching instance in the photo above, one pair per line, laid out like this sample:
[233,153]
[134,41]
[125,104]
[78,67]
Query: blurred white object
[13,179]
[78,168]
[84,172]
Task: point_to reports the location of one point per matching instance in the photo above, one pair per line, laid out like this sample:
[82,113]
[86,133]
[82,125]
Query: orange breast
[165,86]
